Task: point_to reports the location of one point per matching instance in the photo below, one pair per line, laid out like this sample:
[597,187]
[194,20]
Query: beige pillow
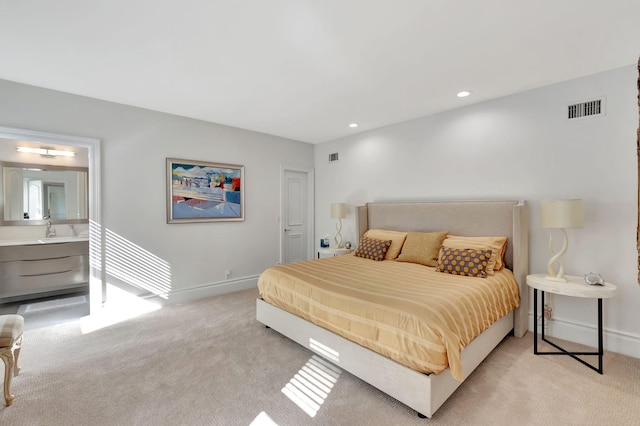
[497,245]
[397,240]
[422,247]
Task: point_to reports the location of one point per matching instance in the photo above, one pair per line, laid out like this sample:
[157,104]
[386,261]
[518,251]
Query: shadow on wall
[132,273]
[135,266]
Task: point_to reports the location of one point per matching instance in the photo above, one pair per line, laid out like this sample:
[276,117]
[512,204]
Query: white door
[57,202]
[36,204]
[295,217]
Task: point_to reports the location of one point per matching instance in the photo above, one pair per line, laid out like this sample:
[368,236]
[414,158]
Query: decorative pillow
[422,247]
[397,240]
[497,245]
[467,262]
[371,248]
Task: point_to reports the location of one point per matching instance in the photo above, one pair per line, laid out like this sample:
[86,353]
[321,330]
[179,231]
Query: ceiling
[305,69]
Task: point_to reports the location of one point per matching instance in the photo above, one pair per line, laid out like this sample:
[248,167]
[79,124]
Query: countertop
[51,240]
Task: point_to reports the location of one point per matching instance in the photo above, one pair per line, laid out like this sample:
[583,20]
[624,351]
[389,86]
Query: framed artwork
[199,191]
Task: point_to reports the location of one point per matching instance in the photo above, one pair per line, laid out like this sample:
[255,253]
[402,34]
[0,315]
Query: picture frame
[201,191]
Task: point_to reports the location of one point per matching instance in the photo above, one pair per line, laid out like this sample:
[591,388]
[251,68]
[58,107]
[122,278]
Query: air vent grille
[333,157]
[585,109]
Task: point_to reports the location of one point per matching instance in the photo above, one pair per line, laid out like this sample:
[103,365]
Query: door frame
[310,209]
[96,240]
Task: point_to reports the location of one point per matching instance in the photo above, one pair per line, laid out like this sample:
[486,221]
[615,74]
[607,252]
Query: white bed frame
[425,393]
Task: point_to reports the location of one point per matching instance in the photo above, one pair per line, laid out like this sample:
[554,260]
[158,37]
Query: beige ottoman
[11,327]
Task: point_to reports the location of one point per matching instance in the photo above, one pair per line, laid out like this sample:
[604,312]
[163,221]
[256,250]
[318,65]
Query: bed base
[424,393]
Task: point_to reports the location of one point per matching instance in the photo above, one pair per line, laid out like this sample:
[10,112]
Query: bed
[422,387]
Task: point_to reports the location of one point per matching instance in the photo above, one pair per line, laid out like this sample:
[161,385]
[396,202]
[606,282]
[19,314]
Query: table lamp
[338,211]
[560,214]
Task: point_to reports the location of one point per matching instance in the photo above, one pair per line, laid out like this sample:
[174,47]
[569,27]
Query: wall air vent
[586,109]
[333,157]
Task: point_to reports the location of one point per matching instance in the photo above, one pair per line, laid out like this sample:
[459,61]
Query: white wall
[190,259]
[517,147]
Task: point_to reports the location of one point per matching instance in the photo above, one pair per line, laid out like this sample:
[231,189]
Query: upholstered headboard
[468,218]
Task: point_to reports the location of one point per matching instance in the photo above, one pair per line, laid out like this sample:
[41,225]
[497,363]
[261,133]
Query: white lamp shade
[561,214]
[338,210]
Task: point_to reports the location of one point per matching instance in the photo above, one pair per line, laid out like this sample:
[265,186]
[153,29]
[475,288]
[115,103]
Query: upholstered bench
[11,327]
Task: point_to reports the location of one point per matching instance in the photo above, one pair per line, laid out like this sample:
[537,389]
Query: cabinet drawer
[27,268]
[43,251]
[43,283]
[23,277]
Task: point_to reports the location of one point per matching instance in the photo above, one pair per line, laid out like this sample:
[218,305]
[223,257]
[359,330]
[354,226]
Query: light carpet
[59,303]
[210,362]
[54,311]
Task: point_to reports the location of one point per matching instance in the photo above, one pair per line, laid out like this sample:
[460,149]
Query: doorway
[92,145]
[296,235]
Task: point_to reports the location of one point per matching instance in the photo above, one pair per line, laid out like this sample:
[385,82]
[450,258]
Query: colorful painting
[204,192]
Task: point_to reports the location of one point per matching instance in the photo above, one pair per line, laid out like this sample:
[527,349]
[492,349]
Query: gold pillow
[497,245]
[422,247]
[397,240]
[466,262]
[373,249]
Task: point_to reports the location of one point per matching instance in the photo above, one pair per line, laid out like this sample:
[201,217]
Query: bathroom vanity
[32,268]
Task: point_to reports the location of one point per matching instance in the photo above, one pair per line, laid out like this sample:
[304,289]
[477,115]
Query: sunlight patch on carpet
[263,420]
[311,386]
[121,306]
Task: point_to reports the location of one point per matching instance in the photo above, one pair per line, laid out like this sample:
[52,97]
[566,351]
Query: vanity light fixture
[353,125]
[46,152]
[464,93]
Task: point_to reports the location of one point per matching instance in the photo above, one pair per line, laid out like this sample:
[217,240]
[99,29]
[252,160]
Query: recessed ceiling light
[353,125]
[463,94]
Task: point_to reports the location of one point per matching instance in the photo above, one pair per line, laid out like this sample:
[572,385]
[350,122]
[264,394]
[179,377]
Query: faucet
[50,232]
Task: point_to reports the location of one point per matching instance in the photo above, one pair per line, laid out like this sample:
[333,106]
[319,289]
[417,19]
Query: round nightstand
[333,251]
[575,287]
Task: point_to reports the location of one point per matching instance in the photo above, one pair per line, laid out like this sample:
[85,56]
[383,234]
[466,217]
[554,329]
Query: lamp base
[552,275]
[338,237]
[561,279]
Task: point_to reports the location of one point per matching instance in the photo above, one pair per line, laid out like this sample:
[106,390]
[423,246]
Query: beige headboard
[469,218]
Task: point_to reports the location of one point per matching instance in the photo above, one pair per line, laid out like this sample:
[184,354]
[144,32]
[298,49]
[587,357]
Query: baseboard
[586,334]
[212,289]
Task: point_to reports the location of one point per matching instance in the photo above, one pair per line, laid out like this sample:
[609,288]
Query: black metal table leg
[600,338]
[542,315]
[535,321]
[561,350]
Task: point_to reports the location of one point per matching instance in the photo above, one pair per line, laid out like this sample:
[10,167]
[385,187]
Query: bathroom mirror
[34,193]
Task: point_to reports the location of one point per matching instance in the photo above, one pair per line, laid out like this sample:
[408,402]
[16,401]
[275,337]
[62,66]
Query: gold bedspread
[407,312]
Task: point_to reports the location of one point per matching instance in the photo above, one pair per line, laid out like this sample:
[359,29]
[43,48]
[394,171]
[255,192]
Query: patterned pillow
[467,262]
[497,245]
[373,249]
[397,240]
